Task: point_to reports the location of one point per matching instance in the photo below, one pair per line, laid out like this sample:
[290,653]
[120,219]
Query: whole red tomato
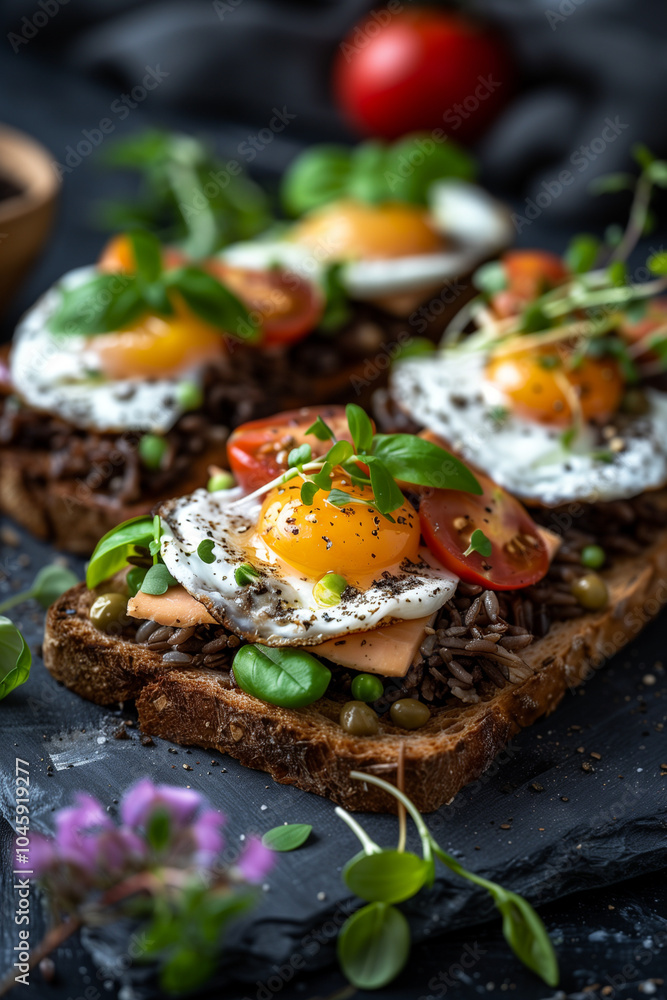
[414,69]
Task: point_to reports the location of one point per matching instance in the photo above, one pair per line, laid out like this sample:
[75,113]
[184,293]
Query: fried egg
[73,376]
[291,547]
[462,226]
[451,395]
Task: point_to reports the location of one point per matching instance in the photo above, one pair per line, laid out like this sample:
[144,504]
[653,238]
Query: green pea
[593,556]
[152,450]
[408,713]
[220,481]
[189,395]
[367,687]
[591,592]
[358,719]
[107,611]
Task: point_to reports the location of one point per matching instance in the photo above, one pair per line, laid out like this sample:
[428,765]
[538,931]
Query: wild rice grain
[145,630]
[181,635]
[215,645]
[176,657]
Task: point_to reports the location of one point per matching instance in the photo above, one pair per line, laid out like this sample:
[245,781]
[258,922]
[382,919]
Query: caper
[592,556]
[591,592]
[108,610]
[367,687]
[408,713]
[358,719]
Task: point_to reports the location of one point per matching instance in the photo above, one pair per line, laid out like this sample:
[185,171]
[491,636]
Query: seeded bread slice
[306,747]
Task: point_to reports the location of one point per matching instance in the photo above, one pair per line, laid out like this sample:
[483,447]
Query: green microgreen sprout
[329,590]
[245,574]
[479,543]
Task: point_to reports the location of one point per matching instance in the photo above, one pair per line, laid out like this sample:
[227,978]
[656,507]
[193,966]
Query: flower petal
[256,861]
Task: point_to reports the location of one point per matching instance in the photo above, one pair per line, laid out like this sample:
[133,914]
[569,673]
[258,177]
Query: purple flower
[41,854]
[256,861]
[143,798]
[78,829]
[207,835]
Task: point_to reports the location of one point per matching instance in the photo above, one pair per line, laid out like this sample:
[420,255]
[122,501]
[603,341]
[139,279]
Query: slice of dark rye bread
[306,747]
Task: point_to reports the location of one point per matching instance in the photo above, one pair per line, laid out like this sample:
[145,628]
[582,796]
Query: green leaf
[299,456]
[612,183]
[245,574]
[339,453]
[337,309]
[388,877]
[135,578]
[415,162]
[388,496]
[281,676]
[209,299]
[51,582]
[582,253]
[317,176]
[322,479]
[158,580]
[527,936]
[112,550]
[642,155]
[491,278]
[657,263]
[533,319]
[205,550]
[361,428]
[657,172]
[367,180]
[339,498]
[103,304]
[15,658]
[479,543]
[412,459]
[415,347]
[321,430]
[374,946]
[287,837]
[308,493]
[147,253]
[185,969]
[618,273]
[158,829]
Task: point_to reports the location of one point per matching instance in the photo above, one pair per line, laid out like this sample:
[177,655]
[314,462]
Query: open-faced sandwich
[356,597]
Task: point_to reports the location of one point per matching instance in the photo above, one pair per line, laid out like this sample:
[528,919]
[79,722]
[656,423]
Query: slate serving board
[548,819]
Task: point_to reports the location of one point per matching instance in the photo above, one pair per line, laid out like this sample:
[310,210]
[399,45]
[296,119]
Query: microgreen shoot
[383,877]
[479,543]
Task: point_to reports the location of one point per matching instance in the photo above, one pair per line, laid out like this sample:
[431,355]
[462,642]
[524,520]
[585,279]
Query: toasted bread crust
[307,747]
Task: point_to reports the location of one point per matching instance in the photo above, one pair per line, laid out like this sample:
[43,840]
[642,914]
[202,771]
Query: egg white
[475,225]
[59,374]
[279,608]
[450,395]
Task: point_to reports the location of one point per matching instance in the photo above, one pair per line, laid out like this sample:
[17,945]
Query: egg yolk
[157,346]
[350,230]
[354,541]
[537,384]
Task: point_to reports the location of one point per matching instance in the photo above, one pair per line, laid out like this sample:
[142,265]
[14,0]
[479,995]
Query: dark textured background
[593,863]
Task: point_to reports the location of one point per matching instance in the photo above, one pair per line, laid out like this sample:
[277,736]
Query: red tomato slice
[258,450]
[518,556]
[286,306]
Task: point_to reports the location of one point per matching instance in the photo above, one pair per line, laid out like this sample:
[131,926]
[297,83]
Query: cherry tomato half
[518,556]
[257,451]
[285,306]
[530,273]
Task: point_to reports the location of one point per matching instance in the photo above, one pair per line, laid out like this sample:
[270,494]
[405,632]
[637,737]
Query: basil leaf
[337,310]
[367,180]
[526,935]
[388,496]
[15,658]
[388,877]
[147,254]
[321,430]
[373,946]
[479,543]
[158,580]
[339,453]
[105,303]
[361,428]
[205,550]
[209,299]
[427,161]
[287,837]
[412,459]
[319,175]
[112,550]
[582,253]
[299,456]
[281,676]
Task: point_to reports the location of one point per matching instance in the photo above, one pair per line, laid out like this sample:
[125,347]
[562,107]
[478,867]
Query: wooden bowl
[25,217]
